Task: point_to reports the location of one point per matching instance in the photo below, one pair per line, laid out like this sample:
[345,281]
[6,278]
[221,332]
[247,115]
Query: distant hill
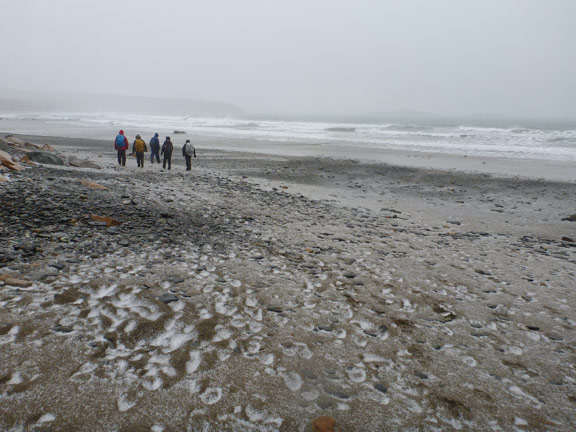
[16,101]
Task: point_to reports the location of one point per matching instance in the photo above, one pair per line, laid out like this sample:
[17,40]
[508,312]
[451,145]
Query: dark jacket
[167,147]
[155,144]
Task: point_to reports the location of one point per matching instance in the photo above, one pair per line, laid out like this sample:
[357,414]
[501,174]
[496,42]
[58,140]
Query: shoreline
[498,166]
[259,292]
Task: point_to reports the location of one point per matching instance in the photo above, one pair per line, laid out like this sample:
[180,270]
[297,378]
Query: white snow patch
[292,380]
[16,379]
[47,418]
[194,363]
[124,404]
[211,396]
[373,358]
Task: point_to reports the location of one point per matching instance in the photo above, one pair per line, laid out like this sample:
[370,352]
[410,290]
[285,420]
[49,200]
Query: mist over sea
[543,140]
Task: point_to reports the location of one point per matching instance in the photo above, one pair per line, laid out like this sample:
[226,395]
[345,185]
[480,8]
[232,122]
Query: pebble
[168,298]
[380,387]
[61,329]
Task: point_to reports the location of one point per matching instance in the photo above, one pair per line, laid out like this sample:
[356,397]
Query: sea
[518,139]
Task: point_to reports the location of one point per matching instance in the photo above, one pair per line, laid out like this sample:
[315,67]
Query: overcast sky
[301,56]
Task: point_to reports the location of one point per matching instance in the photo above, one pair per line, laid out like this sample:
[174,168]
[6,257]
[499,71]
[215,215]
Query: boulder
[12,281]
[48,147]
[45,158]
[75,162]
[571,218]
[6,160]
[176,132]
[13,140]
[25,159]
[31,146]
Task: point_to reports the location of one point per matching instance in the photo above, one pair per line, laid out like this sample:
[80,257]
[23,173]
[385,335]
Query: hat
[121,132]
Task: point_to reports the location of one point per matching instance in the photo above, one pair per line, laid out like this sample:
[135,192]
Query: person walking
[188,151]
[155,148]
[121,145]
[139,147]
[167,148]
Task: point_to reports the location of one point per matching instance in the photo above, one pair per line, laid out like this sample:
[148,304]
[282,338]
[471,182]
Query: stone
[61,329]
[337,393]
[554,336]
[168,298]
[107,220]
[380,387]
[91,185]
[323,424]
[274,309]
[571,218]
[20,283]
[78,163]
[45,158]
[6,160]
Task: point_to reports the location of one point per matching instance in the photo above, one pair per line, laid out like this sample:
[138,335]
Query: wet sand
[258,292]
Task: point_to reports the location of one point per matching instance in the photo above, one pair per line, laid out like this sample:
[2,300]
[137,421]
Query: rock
[380,387]
[340,129]
[6,160]
[571,218]
[48,147]
[45,158]
[75,162]
[176,132]
[168,298]
[107,220]
[91,185]
[554,336]
[337,393]
[57,265]
[323,424]
[30,146]
[61,329]
[20,283]
[3,179]
[568,239]
[276,309]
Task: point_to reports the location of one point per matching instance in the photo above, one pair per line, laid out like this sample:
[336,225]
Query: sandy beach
[260,291]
